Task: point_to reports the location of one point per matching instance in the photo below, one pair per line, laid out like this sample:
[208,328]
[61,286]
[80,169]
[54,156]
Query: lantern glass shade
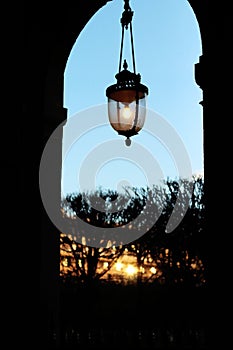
[127,111]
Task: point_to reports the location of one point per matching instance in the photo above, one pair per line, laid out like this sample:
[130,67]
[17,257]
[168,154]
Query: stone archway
[50,44]
[56,39]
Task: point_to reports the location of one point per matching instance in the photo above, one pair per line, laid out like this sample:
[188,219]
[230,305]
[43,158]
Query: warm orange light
[105,265]
[131,270]
[153,270]
[119,266]
[65,262]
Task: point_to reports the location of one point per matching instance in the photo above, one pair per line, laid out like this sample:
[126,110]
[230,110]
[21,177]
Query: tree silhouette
[85,264]
[179,257]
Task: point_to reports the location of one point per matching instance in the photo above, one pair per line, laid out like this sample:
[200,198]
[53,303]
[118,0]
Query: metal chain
[126,20]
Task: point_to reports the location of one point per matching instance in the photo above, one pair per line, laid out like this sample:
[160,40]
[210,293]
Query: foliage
[179,256]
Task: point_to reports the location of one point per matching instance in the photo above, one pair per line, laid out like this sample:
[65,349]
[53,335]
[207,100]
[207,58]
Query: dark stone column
[50,42]
[50,243]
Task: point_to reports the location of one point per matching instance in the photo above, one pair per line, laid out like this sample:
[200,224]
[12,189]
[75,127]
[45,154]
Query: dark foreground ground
[130,317]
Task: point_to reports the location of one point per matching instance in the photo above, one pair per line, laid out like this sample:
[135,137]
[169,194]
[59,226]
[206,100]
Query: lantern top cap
[127,80]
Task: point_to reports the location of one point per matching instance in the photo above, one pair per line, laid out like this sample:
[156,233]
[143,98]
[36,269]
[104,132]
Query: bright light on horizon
[131,270]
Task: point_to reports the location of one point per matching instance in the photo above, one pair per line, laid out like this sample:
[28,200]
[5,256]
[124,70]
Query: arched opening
[58,69]
[50,34]
[168,71]
[167,47]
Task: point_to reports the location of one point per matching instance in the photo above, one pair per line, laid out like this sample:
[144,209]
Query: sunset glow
[131,270]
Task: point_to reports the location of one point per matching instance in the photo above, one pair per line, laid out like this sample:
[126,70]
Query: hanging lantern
[127,98]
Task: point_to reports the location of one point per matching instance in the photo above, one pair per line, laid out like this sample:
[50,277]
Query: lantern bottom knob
[128,141]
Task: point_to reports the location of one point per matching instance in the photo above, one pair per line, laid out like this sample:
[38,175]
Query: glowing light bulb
[126,113]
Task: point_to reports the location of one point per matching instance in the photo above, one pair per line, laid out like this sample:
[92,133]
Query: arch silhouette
[50,39]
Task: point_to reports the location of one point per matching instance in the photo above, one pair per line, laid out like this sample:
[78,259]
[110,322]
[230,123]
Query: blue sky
[167,44]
